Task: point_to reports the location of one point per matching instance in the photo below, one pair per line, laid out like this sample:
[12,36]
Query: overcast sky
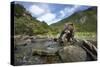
[51,13]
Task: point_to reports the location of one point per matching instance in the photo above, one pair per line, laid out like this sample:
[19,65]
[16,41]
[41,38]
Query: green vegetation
[84,21]
[19,10]
[24,23]
[86,35]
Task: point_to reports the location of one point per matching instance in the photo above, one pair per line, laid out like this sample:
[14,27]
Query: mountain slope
[24,23]
[84,21]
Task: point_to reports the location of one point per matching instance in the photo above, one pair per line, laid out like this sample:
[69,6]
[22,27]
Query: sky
[50,12]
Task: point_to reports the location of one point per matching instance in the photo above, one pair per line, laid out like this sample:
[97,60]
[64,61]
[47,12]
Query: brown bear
[68,32]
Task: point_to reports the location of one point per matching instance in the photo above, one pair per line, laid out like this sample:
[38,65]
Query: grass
[86,35]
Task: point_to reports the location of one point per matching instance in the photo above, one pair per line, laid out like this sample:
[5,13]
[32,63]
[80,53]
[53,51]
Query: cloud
[48,17]
[54,17]
[43,12]
[62,13]
[66,12]
[74,8]
[56,20]
[36,10]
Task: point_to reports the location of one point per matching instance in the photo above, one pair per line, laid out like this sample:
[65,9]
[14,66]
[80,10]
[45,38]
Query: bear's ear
[72,24]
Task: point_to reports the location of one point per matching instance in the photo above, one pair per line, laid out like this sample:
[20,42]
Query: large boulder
[72,54]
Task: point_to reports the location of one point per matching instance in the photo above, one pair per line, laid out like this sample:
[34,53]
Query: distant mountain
[24,23]
[84,21]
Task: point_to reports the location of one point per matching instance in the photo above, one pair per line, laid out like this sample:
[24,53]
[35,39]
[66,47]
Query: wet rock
[25,37]
[17,37]
[94,42]
[21,42]
[90,49]
[72,54]
[28,41]
[42,52]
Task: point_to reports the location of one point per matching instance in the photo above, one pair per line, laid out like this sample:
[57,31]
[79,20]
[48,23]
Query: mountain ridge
[83,19]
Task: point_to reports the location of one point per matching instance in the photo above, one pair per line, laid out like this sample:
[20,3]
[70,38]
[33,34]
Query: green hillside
[84,21]
[24,23]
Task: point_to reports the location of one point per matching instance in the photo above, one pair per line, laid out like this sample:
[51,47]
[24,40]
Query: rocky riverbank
[44,50]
